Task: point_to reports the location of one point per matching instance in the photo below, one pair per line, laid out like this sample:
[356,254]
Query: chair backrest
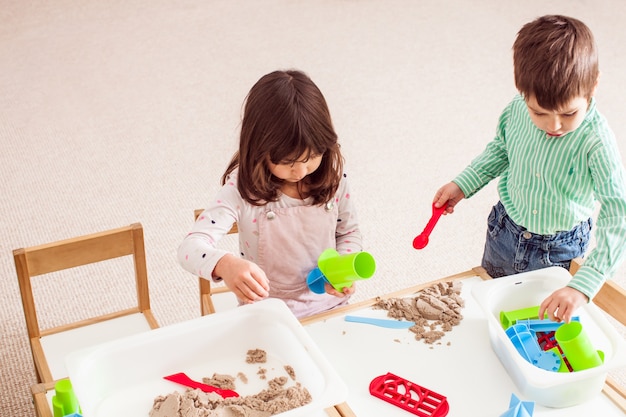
[71,253]
[206,291]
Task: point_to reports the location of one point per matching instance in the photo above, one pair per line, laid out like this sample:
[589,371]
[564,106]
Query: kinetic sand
[276,398]
[435,310]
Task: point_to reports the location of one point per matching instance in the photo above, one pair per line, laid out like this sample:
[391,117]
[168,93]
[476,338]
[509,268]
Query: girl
[286,190]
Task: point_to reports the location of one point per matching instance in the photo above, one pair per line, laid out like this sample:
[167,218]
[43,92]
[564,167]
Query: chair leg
[40,400]
[209,308]
[206,302]
[42,369]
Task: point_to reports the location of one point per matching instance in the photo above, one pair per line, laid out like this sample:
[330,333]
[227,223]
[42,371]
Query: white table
[462,366]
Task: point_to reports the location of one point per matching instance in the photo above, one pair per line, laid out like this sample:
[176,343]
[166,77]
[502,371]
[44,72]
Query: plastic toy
[519,408]
[548,342]
[421,240]
[544,325]
[409,396]
[565,366]
[527,345]
[577,346]
[340,271]
[64,402]
[508,318]
[388,323]
[183,379]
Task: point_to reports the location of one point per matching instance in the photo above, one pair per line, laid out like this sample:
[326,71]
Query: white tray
[551,389]
[123,377]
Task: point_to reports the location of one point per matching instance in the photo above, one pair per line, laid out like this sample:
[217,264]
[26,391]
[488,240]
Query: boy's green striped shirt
[550,184]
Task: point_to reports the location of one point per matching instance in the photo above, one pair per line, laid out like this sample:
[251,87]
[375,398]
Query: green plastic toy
[340,271]
[64,402]
[509,318]
[577,346]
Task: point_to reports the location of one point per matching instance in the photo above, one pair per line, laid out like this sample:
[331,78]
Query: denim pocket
[494,225]
[561,253]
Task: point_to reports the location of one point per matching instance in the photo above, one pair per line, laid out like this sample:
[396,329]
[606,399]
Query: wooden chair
[50,346]
[611,298]
[206,290]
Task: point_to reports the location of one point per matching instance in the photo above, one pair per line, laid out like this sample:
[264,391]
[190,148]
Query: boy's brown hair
[555,59]
[285,117]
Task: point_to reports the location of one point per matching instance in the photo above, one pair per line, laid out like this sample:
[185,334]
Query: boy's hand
[346,291]
[562,304]
[242,277]
[450,193]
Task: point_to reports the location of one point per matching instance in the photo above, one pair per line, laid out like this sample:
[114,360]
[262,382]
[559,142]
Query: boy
[556,156]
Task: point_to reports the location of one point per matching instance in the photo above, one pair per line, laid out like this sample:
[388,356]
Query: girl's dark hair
[285,116]
[555,59]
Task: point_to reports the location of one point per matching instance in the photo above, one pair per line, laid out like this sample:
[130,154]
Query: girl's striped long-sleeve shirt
[550,184]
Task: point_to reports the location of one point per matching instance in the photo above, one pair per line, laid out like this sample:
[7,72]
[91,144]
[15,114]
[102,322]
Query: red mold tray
[409,396]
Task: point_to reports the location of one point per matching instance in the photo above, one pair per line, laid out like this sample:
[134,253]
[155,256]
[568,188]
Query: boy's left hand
[346,290]
[562,304]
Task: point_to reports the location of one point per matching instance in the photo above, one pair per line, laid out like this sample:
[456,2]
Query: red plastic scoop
[409,396]
[421,241]
[183,379]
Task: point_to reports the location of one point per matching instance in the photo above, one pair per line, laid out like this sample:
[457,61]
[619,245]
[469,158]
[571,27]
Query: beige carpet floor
[121,111]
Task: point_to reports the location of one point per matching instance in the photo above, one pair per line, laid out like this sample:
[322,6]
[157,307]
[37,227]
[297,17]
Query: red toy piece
[183,379]
[409,396]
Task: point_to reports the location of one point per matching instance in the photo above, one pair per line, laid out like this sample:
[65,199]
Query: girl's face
[294,171]
[558,123]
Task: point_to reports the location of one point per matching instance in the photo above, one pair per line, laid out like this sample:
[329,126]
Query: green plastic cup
[64,402]
[577,346]
[342,270]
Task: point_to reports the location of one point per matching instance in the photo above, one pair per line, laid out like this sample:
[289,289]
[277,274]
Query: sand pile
[435,310]
[276,398]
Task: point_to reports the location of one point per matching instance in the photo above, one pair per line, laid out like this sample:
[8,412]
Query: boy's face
[558,122]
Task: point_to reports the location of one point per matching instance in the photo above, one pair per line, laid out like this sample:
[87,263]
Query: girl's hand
[242,277]
[562,304]
[450,193]
[346,290]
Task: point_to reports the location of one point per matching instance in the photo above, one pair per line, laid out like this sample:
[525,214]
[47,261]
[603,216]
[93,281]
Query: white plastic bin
[550,389]
[122,378]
